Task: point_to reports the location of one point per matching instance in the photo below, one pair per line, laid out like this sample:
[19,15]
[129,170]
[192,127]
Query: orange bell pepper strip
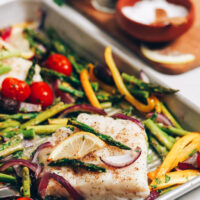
[104,86]
[181,150]
[173,178]
[88,89]
[122,88]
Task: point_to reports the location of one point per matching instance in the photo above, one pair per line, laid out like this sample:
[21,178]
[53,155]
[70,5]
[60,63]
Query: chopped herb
[193,152]
[158,181]
[18,154]
[167,178]
[154,186]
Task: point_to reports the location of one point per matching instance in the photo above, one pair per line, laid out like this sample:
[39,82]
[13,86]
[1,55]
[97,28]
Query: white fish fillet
[20,69]
[129,183]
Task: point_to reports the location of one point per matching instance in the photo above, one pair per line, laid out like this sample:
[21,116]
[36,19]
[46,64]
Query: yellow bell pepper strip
[181,150]
[173,178]
[170,117]
[122,88]
[157,105]
[104,86]
[151,175]
[88,89]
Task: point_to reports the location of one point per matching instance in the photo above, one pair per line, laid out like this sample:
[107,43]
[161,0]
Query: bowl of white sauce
[155,20]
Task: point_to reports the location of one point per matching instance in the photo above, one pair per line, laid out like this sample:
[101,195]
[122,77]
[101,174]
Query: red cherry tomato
[23,198]
[6,33]
[59,63]
[198,160]
[41,93]
[15,89]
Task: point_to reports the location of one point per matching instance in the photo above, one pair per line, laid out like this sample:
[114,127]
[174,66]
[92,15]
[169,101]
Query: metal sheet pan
[90,41]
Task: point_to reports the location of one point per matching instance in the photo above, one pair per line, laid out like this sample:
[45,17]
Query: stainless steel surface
[6,192]
[90,41]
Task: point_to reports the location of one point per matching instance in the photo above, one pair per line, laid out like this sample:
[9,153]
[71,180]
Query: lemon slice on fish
[156,56]
[76,146]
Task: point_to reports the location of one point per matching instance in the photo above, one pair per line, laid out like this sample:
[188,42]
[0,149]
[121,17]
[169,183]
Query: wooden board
[187,43]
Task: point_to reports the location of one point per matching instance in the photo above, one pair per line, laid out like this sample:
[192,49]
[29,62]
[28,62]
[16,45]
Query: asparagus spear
[46,114]
[173,131]
[62,121]
[5,178]
[11,146]
[31,72]
[169,116]
[74,163]
[39,37]
[161,150]
[26,182]
[9,123]
[107,104]
[27,134]
[147,86]
[162,137]
[4,54]
[95,86]
[4,69]
[107,139]
[139,93]
[52,73]
[46,129]
[18,116]
[70,90]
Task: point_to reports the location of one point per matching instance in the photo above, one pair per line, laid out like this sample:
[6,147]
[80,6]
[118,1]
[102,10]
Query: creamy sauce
[145,11]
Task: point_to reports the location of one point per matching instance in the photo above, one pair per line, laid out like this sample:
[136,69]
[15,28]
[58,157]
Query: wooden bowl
[154,33]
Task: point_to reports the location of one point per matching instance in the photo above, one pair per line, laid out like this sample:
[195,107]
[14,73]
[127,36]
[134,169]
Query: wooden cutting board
[187,43]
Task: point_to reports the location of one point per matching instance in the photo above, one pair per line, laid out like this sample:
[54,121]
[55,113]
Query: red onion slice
[160,119]
[82,107]
[38,149]
[65,97]
[153,195]
[122,116]
[45,180]
[184,166]
[32,166]
[122,160]
[29,107]
[143,77]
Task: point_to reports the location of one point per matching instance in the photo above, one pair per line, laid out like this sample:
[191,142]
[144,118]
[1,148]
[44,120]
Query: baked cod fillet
[116,184]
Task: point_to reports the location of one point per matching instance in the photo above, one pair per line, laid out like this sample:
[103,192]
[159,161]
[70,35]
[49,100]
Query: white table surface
[188,83]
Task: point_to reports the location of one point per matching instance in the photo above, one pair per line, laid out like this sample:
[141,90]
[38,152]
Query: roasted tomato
[15,89]
[24,198]
[59,63]
[41,93]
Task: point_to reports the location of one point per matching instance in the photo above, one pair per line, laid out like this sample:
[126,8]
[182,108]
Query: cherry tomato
[198,160]
[15,89]
[5,34]
[41,93]
[23,198]
[59,63]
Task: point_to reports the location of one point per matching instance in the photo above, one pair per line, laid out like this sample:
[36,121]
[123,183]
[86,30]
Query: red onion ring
[45,180]
[184,166]
[122,160]
[122,116]
[143,77]
[65,97]
[153,195]
[82,107]
[32,166]
[39,148]
[160,119]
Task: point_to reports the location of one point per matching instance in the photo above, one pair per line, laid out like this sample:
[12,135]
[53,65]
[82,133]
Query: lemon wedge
[156,56]
[76,146]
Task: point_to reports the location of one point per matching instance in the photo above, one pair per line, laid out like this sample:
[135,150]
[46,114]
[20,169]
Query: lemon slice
[155,56]
[76,146]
